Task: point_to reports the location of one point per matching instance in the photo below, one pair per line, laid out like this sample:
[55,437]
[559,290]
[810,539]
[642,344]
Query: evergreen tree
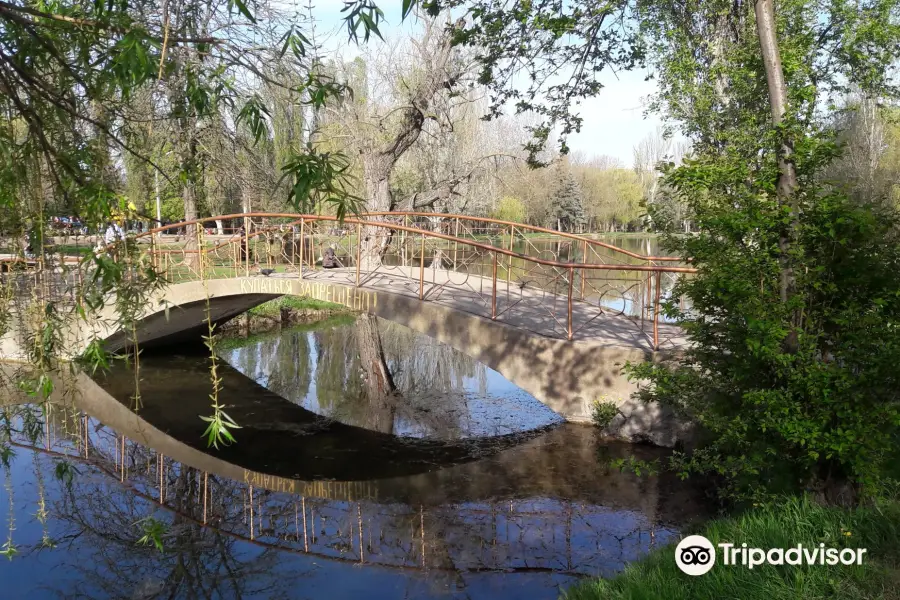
[567,202]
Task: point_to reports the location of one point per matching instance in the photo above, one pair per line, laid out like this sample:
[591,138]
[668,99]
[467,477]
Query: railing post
[656,312]
[245,247]
[247,224]
[584,260]
[455,242]
[512,234]
[358,250]
[293,247]
[422,269]
[570,332]
[302,244]
[494,290]
[647,303]
[157,237]
[200,266]
[152,254]
[269,234]
[236,256]
[406,260]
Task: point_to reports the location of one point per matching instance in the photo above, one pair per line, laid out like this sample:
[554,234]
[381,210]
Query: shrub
[789,394]
[603,412]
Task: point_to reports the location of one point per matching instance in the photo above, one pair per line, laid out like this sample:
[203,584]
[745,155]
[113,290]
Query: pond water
[440,393]
[451,484]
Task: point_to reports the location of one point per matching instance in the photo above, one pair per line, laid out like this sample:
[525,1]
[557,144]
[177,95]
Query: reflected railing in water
[510,533]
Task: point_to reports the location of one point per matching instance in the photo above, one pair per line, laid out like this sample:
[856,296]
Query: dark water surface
[456,485]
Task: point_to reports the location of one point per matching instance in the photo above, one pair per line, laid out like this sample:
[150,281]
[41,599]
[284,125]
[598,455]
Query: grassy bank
[273,307]
[783,525]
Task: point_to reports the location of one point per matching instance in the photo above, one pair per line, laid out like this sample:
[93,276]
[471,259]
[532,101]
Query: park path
[518,306]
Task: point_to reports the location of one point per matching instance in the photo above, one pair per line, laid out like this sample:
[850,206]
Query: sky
[614,121]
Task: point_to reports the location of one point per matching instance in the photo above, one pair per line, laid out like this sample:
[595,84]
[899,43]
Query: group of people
[68,225]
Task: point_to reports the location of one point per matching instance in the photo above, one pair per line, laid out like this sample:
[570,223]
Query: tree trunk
[377,379]
[192,244]
[376,178]
[436,73]
[787,177]
[186,150]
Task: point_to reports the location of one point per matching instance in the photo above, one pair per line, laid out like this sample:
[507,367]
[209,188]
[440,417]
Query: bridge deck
[526,308]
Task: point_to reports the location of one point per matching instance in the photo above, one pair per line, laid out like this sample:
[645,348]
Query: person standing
[110,235]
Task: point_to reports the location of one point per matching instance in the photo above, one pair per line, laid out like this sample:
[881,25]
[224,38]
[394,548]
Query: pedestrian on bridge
[329,258]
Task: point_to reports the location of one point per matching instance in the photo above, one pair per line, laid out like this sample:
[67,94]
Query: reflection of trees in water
[422,363]
[337,374]
[96,522]
[240,551]
[417,394]
[280,363]
[380,394]
[385,377]
[99,519]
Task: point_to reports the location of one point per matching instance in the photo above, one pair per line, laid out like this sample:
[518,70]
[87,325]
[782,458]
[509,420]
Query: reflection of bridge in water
[531,535]
[545,505]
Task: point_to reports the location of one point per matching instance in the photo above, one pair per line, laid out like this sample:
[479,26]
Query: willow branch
[11,9]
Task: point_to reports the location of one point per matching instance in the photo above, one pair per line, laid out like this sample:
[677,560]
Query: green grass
[273,307]
[71,249]
[231,341]
[781,525]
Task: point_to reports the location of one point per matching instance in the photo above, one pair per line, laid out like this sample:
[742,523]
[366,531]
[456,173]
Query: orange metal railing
[551,287]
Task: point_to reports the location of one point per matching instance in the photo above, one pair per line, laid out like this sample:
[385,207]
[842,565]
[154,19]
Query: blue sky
[614,122]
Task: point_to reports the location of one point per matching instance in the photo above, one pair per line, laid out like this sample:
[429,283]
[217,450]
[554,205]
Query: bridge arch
[565,376]
[542,323]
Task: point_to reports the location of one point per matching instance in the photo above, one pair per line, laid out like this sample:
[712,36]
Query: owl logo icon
[695,555]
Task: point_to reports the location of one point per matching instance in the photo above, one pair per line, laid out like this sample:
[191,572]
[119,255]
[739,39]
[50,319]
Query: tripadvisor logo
[696,555]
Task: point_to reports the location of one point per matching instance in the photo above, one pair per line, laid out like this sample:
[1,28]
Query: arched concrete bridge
[546,325]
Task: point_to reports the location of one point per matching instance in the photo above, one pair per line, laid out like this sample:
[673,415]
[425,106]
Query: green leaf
[242,8]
